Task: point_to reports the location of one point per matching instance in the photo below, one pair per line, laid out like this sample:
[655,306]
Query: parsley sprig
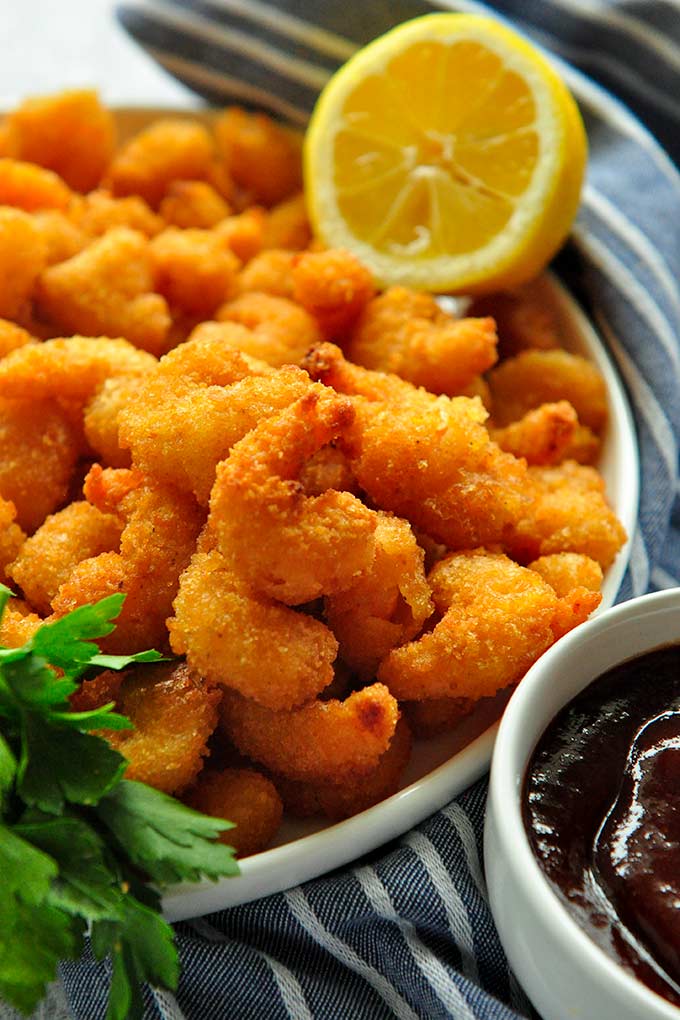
[80,846]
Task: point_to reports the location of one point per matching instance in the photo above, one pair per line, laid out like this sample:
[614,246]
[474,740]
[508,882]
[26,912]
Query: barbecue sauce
[601,806]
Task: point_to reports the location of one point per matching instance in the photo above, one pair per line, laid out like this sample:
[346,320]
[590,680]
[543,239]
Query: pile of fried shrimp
[346,514]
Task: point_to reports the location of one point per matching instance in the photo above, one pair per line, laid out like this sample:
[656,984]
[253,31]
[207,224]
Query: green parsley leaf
[169,841]
[35,685]
[8,769]
[102,718]
[5,595]
[61,764]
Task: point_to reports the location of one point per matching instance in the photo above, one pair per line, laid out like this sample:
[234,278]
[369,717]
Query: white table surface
[48,45]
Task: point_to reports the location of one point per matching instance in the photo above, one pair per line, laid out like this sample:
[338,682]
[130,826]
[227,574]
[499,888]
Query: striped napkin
[407,932]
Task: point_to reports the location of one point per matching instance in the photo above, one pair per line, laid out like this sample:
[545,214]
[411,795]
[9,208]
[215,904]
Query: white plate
[444,766]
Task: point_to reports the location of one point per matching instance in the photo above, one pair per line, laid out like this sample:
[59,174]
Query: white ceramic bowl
[565,974]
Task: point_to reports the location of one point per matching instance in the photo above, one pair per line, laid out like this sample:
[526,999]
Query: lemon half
[448,155]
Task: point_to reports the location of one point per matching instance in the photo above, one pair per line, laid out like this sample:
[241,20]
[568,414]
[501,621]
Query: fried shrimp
[406,332]
[495,621]
[323,740]
[288,545]
[158,539]
[428,459]
[194,270]
[348,797]
[387,604]
[542,436]
[262,157]
[99,211]
[12,337]
[11,537]
[45,560]
[265,651]
[576,579]
[101,418]
[281,331]
[173,712]
[334,287]
[523,317]
[270,272]
[18,624]
[246,798]
[23,254]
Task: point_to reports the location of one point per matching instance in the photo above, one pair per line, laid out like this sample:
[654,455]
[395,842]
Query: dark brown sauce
[601,806]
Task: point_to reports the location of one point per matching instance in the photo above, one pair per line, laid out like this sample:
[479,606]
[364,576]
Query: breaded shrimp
[428,459]
[259,155]
[288,545]
[99,211]
[406,332]
[46,560]
[173,712]
[194,270]
[107,288]
[158,540]
[387,605]
[101,418]
[265,651]
[168,150]
[569,513]
[541,436]
[246,798]
[577,580]
[334,287]
[18,625]
[70,133]
[328,468]
[538,377]
[244,233]
[23,254]
[346,798]
[30,187]
[495,621]
[523,318]
[11,537]
[436,715]
[282,332]
[62,236]
[287,225]
[12,337]
[322,740]
[38,454]
[270,272]
[193,204]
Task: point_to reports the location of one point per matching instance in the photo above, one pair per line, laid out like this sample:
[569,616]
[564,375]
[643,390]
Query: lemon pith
[447,154]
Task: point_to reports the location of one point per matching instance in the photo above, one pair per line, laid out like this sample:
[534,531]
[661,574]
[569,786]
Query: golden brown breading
[70,133]
[101,418]
[46,560]
[539,377]
[194,270]
[406,332]
[100,211]
[193,204]
[542,436]
[61,235]
[285,544]
[244,797]
[260,156]
[11,538]
[266,651]
[282,332]
[107,288]
[30,187]
[270,272]
[577,580]
[328,468]
[387,605]
[523,319]
[23,254]
[324,739]
[287,225]
[13,337]
[18,625]
[334,287]
[173,712]
[244,233]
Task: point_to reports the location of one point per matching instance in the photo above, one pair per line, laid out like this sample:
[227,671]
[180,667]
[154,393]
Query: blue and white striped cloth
[407,932]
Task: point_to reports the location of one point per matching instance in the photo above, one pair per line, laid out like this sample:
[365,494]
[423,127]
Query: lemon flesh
[448,155]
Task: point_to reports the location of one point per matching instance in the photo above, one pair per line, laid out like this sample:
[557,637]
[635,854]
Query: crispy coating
[173,712]
[584,447]
[46,560]
[349,797]
[244,233]
[524,320]
[270,272]
[328,468]
[265,651]
[387,605]
[428,459]
[38,453]
[11,537]
[496,621]
[18,624]
[63,238]
[334,287]
[288,545]
[30,187]
[107,289]
[259,155]
[282,332]
[539,377]
[69,368]
[244,797]
[12,337]
[542,436]
[179,430]
[23,253]
[193,269]
[101,418]
[158,540]
[99,211]
[193,204]
[577,580]
[170,149]
[406,332]
[324,739]
[569,513]
[287,225]
[436,715]
[70,133]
